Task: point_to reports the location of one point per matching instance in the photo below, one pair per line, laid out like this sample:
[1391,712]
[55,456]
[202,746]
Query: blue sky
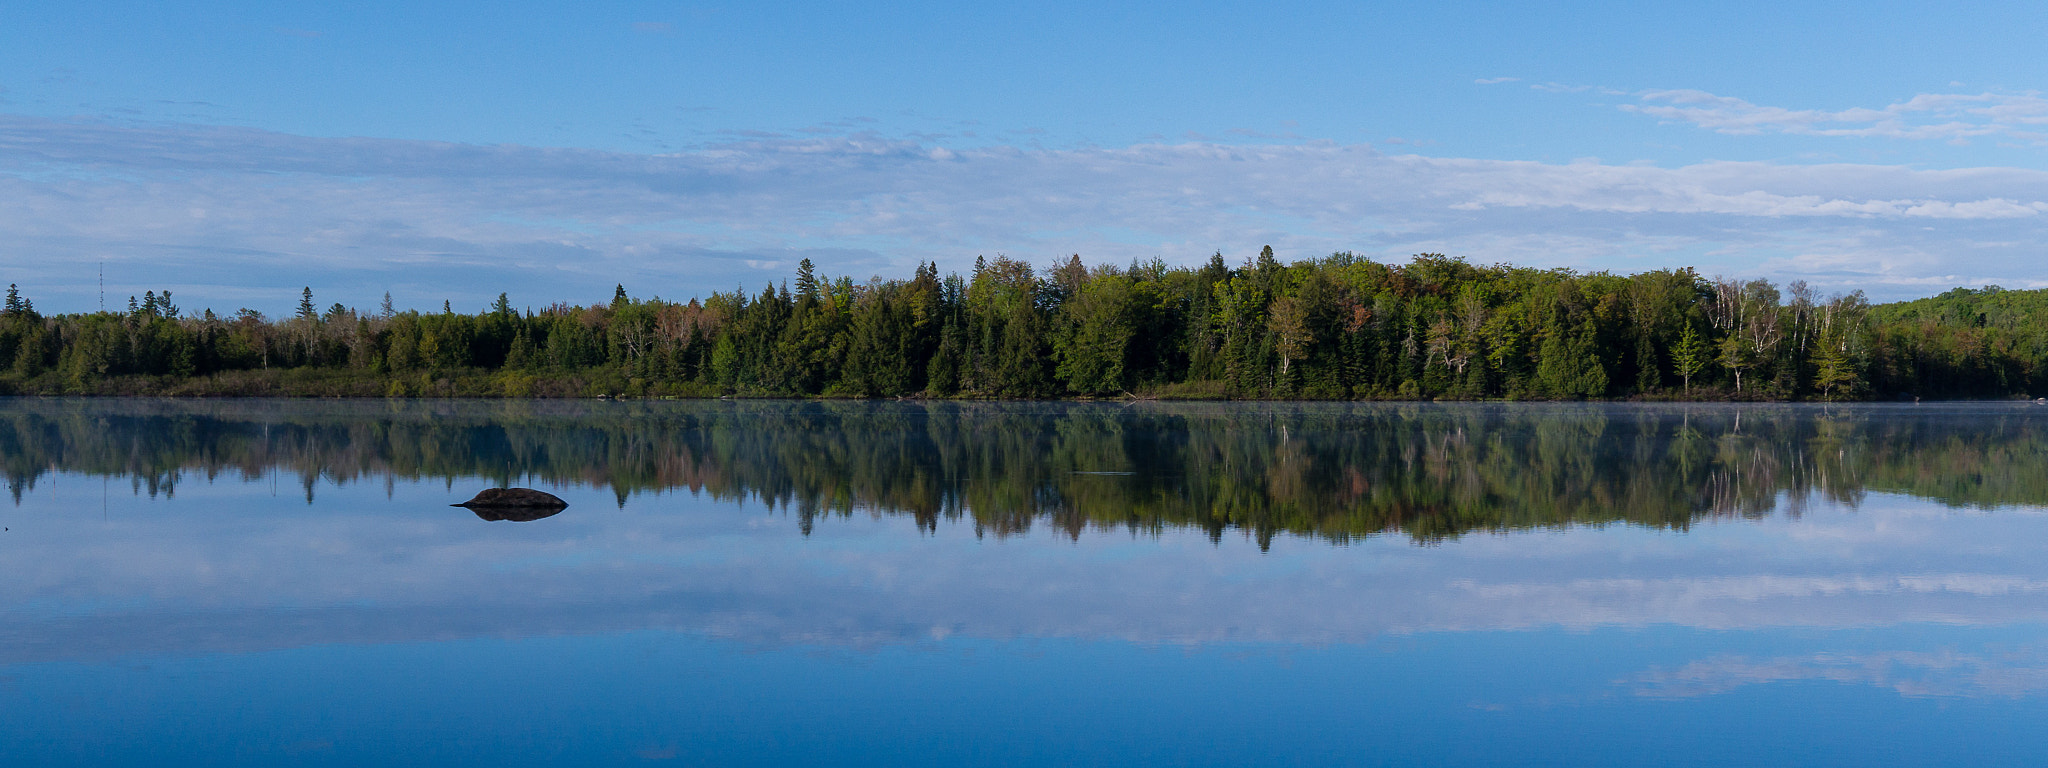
[234,152]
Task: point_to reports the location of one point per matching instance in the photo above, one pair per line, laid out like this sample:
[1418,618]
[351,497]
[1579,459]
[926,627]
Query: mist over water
[227,582]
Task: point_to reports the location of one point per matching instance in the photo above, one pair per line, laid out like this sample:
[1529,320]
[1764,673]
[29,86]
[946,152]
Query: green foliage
[1689,355]
[16,306]
[1986,342]
[1340,327]
[1832,374]
[1733,355]
[1571,365]
[1093,334]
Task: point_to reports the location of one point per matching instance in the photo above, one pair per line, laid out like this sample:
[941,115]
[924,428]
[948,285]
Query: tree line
[1339,327]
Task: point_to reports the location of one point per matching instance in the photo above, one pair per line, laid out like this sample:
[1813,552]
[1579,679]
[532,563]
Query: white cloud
[2000,673]
[429,220]
[1956,117]
[371,562]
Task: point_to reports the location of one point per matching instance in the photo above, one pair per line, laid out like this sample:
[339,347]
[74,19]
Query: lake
[881,583]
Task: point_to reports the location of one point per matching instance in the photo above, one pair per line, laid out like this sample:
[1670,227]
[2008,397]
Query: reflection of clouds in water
[1761,587]
[1640,587]
[241,576]
[1937,674]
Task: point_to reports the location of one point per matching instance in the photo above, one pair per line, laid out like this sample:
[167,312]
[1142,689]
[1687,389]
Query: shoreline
[112,391]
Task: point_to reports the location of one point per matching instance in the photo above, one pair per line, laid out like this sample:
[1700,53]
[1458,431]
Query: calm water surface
[265,583]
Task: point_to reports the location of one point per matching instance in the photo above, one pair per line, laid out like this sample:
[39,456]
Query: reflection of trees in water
[1327,470]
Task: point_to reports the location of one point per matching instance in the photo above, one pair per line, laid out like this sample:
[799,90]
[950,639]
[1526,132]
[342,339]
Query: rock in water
[513,497]
[514,514]
[515,504]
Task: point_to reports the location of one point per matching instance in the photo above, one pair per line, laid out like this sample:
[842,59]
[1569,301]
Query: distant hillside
[1988,307]
[1981,342]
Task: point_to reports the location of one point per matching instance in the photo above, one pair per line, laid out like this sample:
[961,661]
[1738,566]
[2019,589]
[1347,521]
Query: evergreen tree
[1571,365]
[1647,368]
[806,280]
[1832,372]
[1689,355]
[1093,335]
[522,354]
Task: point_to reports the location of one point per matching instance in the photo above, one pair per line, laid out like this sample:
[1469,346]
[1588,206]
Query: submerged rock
[514,504]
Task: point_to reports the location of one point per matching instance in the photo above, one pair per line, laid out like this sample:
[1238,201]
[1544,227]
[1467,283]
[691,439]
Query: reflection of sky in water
[234,623]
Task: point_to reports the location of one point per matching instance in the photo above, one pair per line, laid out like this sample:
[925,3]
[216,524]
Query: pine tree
[306,310]
[1689,356]
[806,280]
[1570,365]
[1831,368]
[1592,375]
[386,308]
[521,356]
[1834,372]
[13,301]
[1647,369]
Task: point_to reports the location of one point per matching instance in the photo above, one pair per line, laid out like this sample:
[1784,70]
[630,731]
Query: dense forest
[1340,327]
[1335,471]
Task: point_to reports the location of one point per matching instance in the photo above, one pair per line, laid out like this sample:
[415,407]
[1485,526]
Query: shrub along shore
[1340,327]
